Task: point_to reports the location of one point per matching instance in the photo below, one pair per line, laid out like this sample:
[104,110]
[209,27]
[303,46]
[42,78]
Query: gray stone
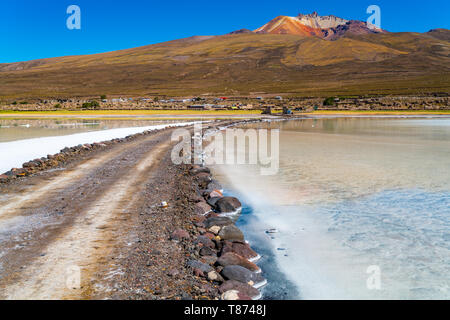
[242,274]
[207,251]
[241,287]
[218,221]
[227,205]
[202,208]
[195,264]
[231,258]
[231,233]
[205,241]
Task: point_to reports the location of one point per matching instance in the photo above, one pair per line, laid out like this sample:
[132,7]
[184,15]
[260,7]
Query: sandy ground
[60,230]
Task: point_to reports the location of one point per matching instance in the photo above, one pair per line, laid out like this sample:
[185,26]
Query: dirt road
[60,229]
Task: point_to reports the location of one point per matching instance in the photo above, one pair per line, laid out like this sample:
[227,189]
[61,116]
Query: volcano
[325,27]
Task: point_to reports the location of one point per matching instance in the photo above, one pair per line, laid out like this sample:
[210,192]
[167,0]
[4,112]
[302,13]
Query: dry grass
[398,63]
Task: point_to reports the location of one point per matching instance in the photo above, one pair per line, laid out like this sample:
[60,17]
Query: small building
[196,107]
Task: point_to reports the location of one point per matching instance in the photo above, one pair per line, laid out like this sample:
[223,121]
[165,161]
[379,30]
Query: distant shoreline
[177,114]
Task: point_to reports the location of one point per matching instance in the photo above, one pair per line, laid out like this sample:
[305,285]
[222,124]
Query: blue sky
[34,29]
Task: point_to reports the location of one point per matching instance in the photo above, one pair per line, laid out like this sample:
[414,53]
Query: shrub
[57,106]
[329,101]
[95,104]
[90,105]
[103,97]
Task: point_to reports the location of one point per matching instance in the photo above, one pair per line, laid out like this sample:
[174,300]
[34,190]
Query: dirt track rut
[67,221]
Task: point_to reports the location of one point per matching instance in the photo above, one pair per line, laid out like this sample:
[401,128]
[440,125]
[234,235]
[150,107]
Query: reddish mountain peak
[325,27]
[288,25]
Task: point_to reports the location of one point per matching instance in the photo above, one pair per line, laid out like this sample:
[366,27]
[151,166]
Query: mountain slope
[239,64]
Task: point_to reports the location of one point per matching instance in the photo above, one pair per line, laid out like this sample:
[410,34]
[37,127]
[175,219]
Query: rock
[51,163]
[214,185]
[215,230]
[242,249]
[203,179]
[230,295]
[218,221]
[243,275]
[198,272]
[205,241]
[211,260]
[231,258]
[226,246]
[214,276]
[202,208]
[186,296]
[179,235]
[195,264]
[228,205]
[30,164]
[234,295]
[4,178]
[173,273]
[207,251]
[200,225]
[231,233]
[199,219]
[243,288]
[209,235]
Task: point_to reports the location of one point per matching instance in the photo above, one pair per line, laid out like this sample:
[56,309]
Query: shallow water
[25,140]
[354,195]
[20,129]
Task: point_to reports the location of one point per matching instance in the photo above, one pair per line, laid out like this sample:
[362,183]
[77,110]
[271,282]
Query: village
[267,104]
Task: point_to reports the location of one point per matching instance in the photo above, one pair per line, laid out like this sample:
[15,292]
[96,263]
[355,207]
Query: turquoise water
[351,195]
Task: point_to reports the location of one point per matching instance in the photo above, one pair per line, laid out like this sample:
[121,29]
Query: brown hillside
[397,63]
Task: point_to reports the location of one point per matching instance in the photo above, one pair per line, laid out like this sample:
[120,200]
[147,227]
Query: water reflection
[351,193]
[19,129]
